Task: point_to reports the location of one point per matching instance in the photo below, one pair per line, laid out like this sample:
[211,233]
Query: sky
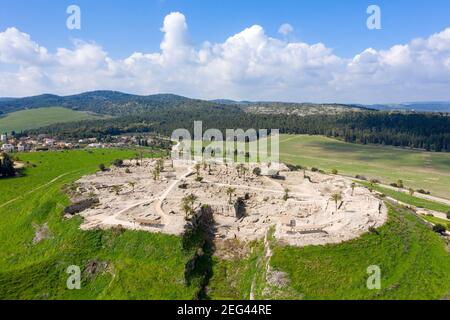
[286,50]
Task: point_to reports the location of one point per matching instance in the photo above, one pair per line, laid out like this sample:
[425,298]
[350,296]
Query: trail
[38,188]
[267,255]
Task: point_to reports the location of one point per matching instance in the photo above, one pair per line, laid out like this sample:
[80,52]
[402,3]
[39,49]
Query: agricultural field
[37,244]
[418,169]
[36,118]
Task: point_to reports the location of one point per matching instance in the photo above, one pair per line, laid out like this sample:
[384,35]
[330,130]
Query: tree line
[413,130]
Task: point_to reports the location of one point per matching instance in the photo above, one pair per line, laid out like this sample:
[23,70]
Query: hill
[36,118]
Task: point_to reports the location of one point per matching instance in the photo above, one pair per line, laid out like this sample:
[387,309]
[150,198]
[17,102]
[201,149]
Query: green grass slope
[36,118]
[418,169]
[139,265]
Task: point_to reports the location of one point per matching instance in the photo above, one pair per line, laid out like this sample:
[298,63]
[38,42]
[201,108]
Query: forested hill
[104,102]
[423,131]
[164,113]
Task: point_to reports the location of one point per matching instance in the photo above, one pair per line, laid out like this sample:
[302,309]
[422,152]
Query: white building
[20,148]
[7,148]
[3,137]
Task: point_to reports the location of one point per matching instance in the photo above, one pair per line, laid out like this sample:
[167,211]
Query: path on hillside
[38,188]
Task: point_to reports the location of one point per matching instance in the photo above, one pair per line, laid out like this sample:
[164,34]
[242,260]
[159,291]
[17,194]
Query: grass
[413,260]
[411,200]
[139,265]
[418,169]
[436,221]
[36,118]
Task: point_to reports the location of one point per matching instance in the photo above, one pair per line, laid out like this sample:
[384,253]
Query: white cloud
[247,65]
[285,29]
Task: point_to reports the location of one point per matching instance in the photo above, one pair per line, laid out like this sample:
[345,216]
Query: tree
[400,184]
[336,198]
[230,192]
[197,169]
[353,185]
[7,166]
[334,171]
[118,162]
[102,167]
[286,194]
[187,205]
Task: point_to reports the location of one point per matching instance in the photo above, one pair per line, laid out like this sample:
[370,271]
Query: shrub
[334,171]
[81,206]
[360,177]
[118,163]
[448,215]
[374,181]
[102,167]
[199,179]
[257,171]
[439,228]
[421,191]
[128,171]
[314,170]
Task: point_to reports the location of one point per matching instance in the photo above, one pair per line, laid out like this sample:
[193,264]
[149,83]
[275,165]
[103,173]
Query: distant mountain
[122,104]
[432,106]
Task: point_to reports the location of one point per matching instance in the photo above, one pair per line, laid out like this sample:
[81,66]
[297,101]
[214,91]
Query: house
[3,137]
[7,148]
[21,148]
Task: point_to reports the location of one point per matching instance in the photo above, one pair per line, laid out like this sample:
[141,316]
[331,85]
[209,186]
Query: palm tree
[230,192]
[353,188]
[286,194]
[197,169]
[187,204]
[336,198]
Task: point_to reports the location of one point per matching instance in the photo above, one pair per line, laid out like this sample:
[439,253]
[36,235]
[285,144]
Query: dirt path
[38,188]
[267,255]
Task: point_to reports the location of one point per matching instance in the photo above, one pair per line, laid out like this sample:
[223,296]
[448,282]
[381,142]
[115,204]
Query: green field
[139,265]
[36,118]
[418,169]
[408,199]
[414,264]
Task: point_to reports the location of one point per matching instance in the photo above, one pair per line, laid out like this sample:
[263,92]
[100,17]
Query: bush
[128,171]
[102,167]
[118,163]
[199,179]
[421,191]
[439,228]
[334,171]
[448,215]
[81,206]
[361,177]
[257,171]
[375,181]
[314,170]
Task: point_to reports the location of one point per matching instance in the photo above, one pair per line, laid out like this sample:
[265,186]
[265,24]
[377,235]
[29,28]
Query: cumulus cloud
[285,29]
[247,65]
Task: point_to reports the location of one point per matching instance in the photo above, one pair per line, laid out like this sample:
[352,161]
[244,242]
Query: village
[45,142]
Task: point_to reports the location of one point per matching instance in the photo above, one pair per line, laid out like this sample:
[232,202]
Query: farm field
[124,264]
[36,118]
[418,169]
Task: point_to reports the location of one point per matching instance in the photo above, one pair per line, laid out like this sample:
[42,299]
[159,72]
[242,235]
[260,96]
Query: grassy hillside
[36,118]
[427,170]
[138,265]
[414,263]
[413,260]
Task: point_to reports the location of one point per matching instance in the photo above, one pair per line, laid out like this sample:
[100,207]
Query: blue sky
[123,27]
[353,64]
